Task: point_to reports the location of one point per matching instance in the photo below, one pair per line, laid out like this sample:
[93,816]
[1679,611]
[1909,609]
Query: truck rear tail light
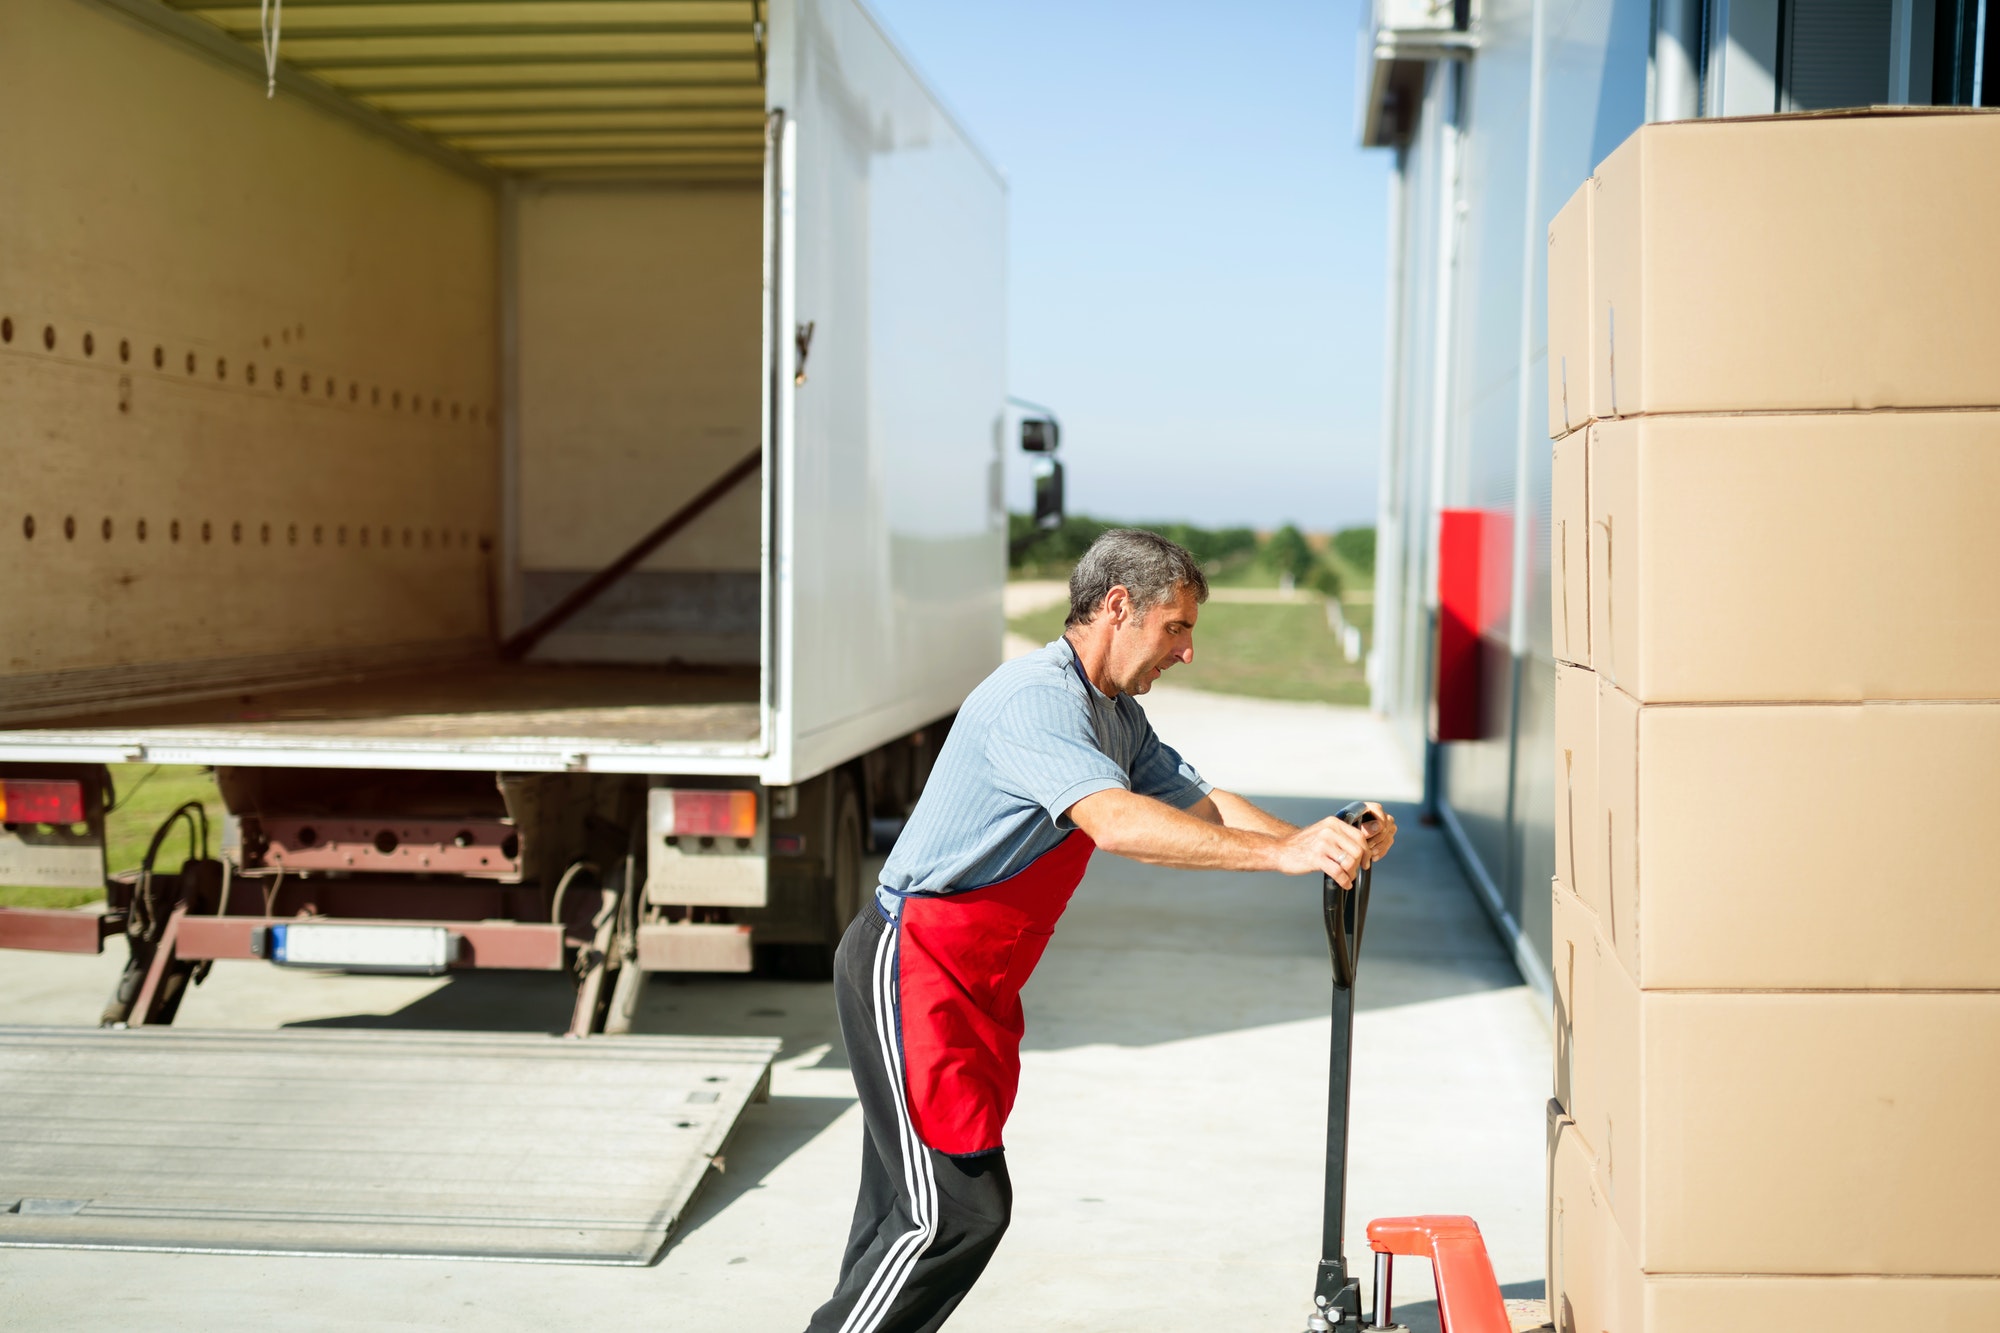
[43,801]
[712,814]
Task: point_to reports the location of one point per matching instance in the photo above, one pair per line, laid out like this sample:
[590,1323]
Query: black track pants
[925,1223]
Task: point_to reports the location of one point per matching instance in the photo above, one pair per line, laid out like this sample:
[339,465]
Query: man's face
[1145,644]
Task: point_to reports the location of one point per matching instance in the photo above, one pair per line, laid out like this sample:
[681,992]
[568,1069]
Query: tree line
[1222,551]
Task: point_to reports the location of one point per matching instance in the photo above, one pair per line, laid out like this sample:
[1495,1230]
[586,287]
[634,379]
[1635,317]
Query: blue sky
[1197,245]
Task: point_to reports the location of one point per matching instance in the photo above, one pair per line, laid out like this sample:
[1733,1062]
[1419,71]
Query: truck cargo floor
[477,714]
[472,1145]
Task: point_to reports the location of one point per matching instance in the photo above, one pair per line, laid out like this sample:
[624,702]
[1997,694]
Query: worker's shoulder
[1044,676]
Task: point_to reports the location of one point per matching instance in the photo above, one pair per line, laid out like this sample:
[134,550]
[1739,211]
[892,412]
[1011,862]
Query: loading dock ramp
[508,1146]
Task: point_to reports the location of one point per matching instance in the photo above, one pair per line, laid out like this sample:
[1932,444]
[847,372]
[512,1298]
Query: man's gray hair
[1150,568]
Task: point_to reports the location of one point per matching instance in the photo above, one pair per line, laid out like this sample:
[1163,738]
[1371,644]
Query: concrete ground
[1166,1149]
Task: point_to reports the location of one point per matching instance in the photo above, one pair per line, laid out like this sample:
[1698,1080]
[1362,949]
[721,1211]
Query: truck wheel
[850,843]
[842,895]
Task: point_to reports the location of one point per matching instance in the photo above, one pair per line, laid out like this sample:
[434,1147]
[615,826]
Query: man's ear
[1118,603]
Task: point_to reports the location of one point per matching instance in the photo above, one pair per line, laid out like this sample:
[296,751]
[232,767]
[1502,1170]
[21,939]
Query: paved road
[1166,1148]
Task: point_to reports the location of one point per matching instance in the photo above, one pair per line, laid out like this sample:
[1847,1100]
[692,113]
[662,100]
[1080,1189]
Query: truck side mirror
[1039,435]
[1048,495]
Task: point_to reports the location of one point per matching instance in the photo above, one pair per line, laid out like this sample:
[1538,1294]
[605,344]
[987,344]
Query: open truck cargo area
[545,458]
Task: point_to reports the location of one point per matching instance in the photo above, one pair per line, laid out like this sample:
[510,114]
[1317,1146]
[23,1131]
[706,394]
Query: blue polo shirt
[1032,740]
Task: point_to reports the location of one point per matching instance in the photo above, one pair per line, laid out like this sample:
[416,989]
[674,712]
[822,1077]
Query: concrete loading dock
[1174,1012]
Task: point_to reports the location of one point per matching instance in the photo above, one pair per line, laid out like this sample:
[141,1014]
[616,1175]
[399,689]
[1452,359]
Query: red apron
[961,963]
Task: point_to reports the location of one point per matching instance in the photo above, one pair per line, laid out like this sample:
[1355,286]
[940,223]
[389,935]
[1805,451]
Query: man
[1050,758]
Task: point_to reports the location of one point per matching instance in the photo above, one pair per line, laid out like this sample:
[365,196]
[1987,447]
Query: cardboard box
[1596,1284]
[1829,557]
[1579,1227]
[1579,821]
[1717,1303]
[1575,960]
[1633,1300]
[1569,549]
[1797,263]
[1766,847]
[1570,306]
[1797,1133]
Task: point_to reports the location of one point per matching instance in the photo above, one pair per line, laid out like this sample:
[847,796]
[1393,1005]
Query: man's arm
[1143,829]
[1232,811]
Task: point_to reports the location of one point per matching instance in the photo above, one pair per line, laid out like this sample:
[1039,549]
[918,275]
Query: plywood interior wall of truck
[247,352]
[640,353]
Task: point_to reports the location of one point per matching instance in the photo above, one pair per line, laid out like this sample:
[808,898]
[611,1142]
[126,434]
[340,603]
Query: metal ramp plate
[430,1144]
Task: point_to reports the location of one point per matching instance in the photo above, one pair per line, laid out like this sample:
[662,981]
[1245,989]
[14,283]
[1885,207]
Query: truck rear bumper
[527,946]
[57,931]
[503,944]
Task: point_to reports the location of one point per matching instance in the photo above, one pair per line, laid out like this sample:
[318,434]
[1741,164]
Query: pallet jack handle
[1346,910]
[1469,1299]
[1336,1296]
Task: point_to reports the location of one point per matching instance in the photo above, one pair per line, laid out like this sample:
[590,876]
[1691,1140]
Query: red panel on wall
[1474,554]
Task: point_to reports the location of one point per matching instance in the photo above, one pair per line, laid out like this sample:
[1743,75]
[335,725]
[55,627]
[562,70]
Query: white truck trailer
[546,457]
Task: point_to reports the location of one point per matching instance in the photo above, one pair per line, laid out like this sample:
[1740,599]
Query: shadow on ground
[475,1002]
[1147,955]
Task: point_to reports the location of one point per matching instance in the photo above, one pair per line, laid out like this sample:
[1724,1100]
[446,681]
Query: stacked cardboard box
[1774,388]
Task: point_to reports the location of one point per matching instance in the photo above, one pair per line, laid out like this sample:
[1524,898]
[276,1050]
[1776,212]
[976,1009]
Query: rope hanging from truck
[270,14]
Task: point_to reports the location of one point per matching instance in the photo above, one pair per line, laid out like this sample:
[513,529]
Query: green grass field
[1280,650]
[146,792]
[1247,571]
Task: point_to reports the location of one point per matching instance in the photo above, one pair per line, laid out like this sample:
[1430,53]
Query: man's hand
[1226,832]
[1337,848]
[1330,847]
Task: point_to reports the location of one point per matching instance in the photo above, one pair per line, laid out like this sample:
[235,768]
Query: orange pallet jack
[1469,1298]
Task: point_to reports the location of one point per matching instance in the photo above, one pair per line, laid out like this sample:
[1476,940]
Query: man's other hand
[1381,831]
[1225,832]
[1337,848]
